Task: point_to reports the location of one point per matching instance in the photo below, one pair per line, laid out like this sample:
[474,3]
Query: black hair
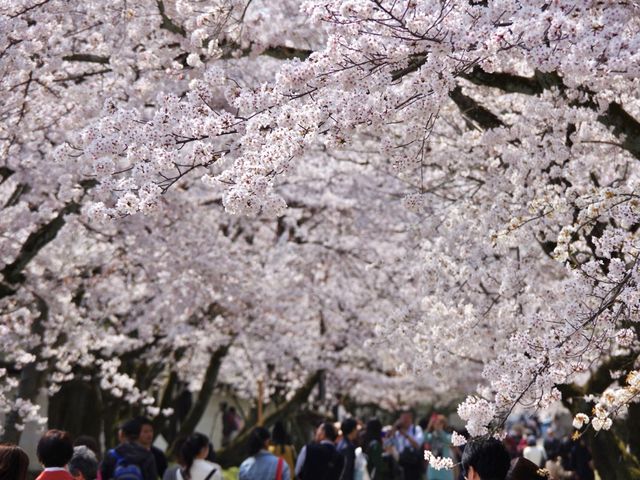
[14,462]
[83,461]
[329,431]
[259,435]
[523,469]
[190,449]
[89,442]
[488,457]
[423,423]
[144,421]
[131,429]
[348,425]
[211,456]
[373,432]
[279,434]
[55,449]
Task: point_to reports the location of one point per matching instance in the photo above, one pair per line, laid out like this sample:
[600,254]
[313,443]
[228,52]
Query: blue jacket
[262,466]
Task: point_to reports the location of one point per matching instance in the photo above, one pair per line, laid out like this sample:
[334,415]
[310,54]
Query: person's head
[178,450]
[423,423]
[523,469]
[349,429]
[279,434]
[485,459]
[83,464]
[326,431]
[55,449]
[146,432]
[406,419]
[440,423]
[195,446]
[259,440]
[531,441]
[374,430]
[14,463]
[129,431]
[89,442]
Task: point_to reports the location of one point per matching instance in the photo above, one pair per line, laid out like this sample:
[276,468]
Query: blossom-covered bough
[507,130]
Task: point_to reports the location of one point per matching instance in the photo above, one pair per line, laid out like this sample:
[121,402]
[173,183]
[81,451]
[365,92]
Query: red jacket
[57,475]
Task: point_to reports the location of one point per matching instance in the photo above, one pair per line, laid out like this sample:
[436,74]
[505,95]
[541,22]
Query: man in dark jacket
[347,447]
[129,455]
[320,460]
[146,440]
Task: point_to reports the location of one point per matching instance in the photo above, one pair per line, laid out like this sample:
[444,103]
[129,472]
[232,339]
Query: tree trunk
[77,409]
[31,379]
[199,406]
[235,452]
[610,456]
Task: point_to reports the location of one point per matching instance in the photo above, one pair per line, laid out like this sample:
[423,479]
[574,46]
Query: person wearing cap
[129,454]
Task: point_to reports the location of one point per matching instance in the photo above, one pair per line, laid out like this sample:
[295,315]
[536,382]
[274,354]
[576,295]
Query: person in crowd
[146,440]
[555,468]
[171,473]
[212,453]
[581,460]
[262,464]
[534,452]
[54,451]
[408,440]
[14,463]
[512,440]
[347,446]
[193,453]
[551,441]
[339,410]
[523,469]
[281,446]
[320,460]
[231,424]
[439,442]
[372,446]
[83,464]
[129,458]
[89,442]
[485,459]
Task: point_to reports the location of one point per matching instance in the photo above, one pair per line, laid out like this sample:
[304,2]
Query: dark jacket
[134,454]
[322,462]
[348,451]
[161,460]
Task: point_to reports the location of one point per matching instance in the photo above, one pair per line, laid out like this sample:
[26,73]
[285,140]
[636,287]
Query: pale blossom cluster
[455,182]
[438,463]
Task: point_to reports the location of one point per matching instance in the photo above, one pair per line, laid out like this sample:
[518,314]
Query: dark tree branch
[169,24]
[474,111]
[35,242]
[86,57]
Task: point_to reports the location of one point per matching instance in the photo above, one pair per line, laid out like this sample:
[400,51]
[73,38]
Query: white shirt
[200,469]
[535,454]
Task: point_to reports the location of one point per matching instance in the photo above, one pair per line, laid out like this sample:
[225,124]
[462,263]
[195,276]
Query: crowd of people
[346,450]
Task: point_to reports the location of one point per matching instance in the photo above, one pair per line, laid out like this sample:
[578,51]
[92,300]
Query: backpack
[124,470]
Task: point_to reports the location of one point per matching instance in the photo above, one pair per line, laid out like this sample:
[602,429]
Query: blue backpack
[125,470]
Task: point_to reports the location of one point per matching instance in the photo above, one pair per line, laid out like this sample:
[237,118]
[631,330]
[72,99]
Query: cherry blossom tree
[424,174]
